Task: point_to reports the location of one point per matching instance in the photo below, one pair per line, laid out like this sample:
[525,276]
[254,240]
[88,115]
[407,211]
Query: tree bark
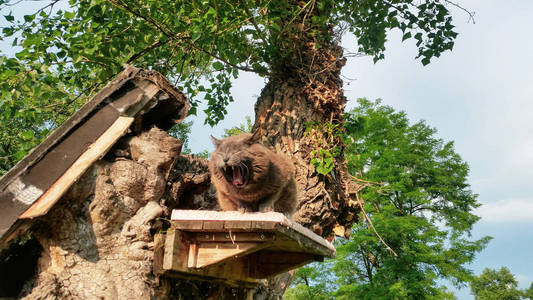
[98,241]
[283,114]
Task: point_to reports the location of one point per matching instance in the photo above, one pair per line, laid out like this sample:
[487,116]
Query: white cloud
[507,211]
[523,281]
[522,154]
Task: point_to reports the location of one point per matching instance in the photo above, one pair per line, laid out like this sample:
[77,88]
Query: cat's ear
[255,138]
[215,141]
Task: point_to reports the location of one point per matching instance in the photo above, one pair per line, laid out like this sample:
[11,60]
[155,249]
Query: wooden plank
[254,245]
[60,158]
[193,255]
[159,252]
[211,276]
[74,172]
[268,263]
[233,237]
[240,225]
[213,225]
[211,215]
[172,105]
[176,251]
[212,253]
[24,190]
[263,225]
[271,257]
[307,240]
[37,153]
[133,101]
[234,220]
[189,225]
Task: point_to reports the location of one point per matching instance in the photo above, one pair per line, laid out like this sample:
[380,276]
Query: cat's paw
[266,208]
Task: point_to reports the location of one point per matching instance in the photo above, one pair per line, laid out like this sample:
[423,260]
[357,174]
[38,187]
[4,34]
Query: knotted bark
[98,242]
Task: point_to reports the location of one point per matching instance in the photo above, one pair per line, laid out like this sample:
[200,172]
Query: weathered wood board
[136,99]
[237,248]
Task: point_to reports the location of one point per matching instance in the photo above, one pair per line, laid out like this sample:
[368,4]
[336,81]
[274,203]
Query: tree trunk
[285,113]
[99,241]
[300,113]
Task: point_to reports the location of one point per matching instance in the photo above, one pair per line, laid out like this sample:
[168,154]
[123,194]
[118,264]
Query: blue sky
[480,95]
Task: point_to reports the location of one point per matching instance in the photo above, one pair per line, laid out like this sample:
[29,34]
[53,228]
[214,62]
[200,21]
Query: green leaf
[218,65]
[28,134]
[9,18]
[69,14]
[29,18]
[195,36]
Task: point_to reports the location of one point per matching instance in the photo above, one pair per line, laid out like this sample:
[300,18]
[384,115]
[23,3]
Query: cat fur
[249,177]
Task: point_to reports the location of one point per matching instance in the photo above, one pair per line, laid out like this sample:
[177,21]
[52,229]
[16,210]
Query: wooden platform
[237,248]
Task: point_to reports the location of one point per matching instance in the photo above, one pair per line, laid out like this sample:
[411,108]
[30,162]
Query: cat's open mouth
[235,174]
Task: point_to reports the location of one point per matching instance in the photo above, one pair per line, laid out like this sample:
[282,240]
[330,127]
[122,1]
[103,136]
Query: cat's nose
[226,159]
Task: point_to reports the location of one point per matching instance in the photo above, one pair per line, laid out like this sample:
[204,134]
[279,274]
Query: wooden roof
[136,99]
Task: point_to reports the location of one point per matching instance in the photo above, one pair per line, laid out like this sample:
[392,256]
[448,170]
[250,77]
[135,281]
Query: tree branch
[120,4]
[252,20]
[367,263]
[242,68]
[471,14]
[372,225]
[366,181]
[142,52]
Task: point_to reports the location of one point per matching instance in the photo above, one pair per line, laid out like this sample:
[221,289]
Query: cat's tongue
[237,176]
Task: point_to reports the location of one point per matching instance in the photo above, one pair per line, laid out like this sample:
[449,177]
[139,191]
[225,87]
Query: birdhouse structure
[135,100]
[237,248]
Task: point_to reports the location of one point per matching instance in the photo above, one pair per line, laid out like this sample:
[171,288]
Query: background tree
[419,202]
[66,51]
[312,283]
[492,284]
[241,128]
[528,293]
